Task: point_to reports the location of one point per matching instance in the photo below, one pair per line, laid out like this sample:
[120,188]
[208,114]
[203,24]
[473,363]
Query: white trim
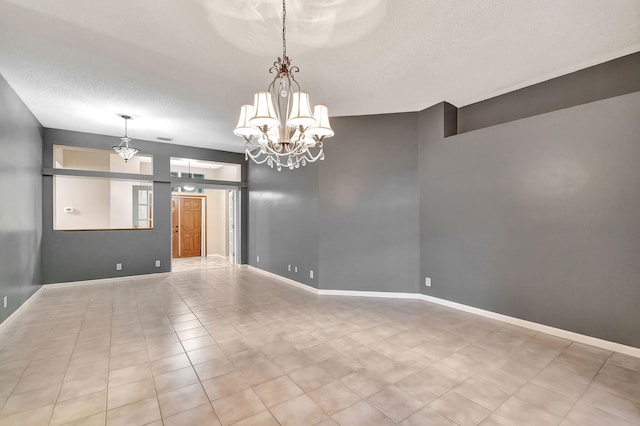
[558,332]
[113,280]
[36,294]
[283,279]
[356,293]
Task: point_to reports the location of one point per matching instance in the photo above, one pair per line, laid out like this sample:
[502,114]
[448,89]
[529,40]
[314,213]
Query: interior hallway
[234,346]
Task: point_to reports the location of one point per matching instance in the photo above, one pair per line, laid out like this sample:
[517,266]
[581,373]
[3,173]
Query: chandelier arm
[312,158]
[256,158]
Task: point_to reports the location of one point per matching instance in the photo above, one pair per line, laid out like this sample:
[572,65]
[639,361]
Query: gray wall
[609,79]
[283,221]
[20,205]
[538,218]
[535,218]
[369,220]
[351,218]
[85,255]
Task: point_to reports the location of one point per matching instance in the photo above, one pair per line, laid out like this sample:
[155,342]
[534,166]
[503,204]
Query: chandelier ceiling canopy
[280,128]
[125,149]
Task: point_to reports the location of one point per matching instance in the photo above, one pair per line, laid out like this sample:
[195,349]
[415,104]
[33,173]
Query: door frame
[238,206]
[203,227]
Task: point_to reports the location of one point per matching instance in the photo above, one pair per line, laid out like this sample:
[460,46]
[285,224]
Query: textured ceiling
[182,68]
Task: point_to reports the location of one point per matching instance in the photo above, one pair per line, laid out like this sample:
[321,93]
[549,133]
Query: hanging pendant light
[125,149]
[280,127]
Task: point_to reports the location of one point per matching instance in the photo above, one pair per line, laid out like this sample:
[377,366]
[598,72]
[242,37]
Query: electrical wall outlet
[6,301]
[258,259]
[427,281]
[157,263]
[118,266]
[295,269]
[289,268]
[311,273]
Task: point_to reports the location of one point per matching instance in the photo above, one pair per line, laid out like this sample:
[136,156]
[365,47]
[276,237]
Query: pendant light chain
[284,30]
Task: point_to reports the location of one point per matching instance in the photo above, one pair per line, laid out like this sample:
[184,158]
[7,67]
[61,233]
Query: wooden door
[175,227]
[190,227]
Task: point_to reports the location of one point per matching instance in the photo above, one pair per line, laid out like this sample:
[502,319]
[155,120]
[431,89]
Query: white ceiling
[182,68]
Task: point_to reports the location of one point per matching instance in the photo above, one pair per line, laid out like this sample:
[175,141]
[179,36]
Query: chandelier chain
[284,30]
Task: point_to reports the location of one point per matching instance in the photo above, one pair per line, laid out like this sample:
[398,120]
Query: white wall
[90,199]
[217,222]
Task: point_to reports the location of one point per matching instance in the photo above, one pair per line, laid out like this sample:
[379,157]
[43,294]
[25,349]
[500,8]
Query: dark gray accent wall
[21,203]
[538,218]
[369,221]
[283,221]
[535,218]
[609,79]
[86,255]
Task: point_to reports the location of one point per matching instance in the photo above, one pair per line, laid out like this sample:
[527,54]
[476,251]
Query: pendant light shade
[322,127]
[264,113]
[300,111]
[243,128]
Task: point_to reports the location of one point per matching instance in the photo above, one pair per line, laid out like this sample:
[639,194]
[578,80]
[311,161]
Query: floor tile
[130,393]
[485,394]
[427,416]
[544,398]
[395,403]
[30,400]
[214,368]
[524,414]
[181,399]
[263,418]
[78,408]
[175,379]
[238,406]
[277,391]
[138,413]
[311,377]
[83,386]
[37,416]
[129,375]
[459,409]
[200,415]
[362,413]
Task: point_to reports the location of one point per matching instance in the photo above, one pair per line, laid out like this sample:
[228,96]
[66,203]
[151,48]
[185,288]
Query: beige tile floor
[198,263]
[234,347]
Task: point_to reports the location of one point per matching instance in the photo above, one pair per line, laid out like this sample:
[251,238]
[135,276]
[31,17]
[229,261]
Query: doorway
[188,226]
[203,227]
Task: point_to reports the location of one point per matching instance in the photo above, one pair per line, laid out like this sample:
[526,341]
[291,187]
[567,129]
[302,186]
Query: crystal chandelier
[125,150]
[279,128]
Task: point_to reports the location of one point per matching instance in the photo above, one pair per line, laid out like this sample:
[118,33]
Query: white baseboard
[558,332]
[5,324]
[305,287]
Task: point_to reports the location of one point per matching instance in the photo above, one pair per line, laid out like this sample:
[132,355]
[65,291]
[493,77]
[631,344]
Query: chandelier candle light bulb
[280,128]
